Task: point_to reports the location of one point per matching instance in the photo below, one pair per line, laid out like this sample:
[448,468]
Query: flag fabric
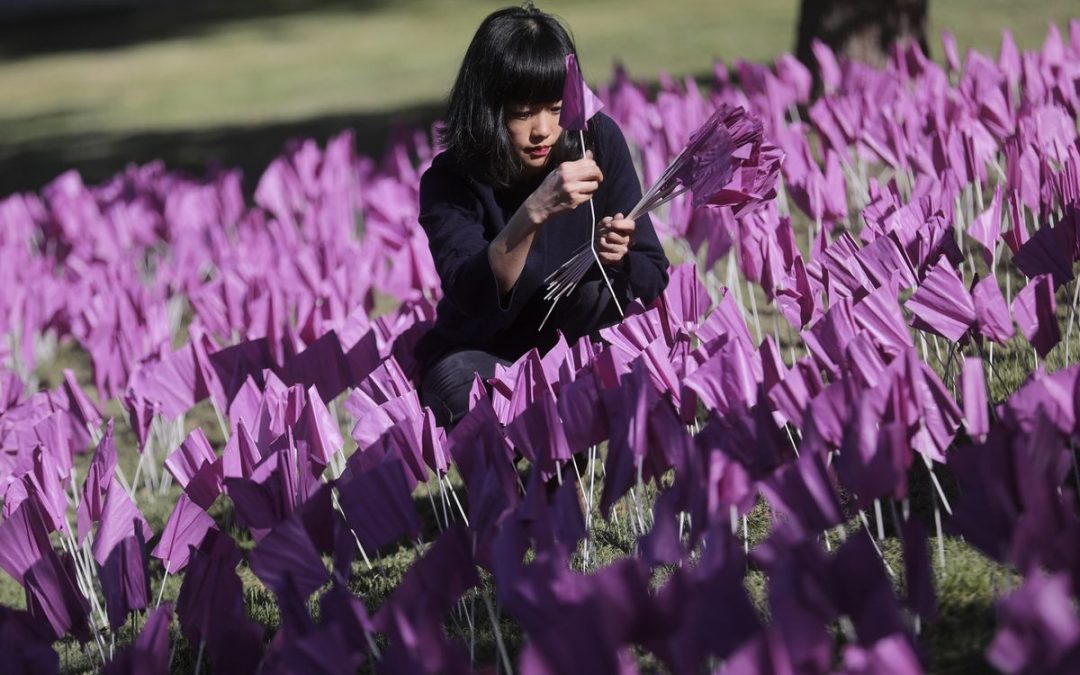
[579,104]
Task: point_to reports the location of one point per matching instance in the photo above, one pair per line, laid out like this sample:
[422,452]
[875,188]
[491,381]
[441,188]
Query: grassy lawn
[230,87]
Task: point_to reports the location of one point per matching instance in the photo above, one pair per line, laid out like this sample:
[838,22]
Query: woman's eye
[524,115]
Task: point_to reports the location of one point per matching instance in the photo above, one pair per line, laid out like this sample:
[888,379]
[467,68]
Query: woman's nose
[543,126]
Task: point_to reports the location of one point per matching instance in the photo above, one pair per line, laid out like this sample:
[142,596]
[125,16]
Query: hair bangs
[534,73]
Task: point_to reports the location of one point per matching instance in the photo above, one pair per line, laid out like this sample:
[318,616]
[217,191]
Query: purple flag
[991,312]
[124,580]
[806,492]
[287,553]
[828,67]
[1038,628]
[120,519]
[579,407]
[579,104]
[942,304]
[235,364]
[317,435]
[185,461]
[241,454]
[920,596]
[79,405]
[24,539]
[98,476]
[537,432]
[149,653]
[1034,309]
[197,469]
[1049,251]
[211,607]
[52,594]
[412,615]
[26,644]
[377,504]
[986,228]
[893,655]
[186,527]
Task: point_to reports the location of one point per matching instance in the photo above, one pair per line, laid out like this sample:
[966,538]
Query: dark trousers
[445,384]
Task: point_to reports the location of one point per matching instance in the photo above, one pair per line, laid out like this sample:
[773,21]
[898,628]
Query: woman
[502,209]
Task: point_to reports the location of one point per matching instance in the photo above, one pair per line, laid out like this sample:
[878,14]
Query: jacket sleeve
[646,265]
[453,219]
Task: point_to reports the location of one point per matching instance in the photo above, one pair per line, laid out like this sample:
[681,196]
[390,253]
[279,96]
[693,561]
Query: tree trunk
[862,30]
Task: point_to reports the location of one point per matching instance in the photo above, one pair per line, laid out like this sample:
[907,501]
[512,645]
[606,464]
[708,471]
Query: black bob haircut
[518,55]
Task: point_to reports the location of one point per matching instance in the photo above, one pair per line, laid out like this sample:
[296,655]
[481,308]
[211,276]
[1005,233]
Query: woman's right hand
[569,185]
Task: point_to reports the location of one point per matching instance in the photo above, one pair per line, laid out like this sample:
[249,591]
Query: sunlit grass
[334,59]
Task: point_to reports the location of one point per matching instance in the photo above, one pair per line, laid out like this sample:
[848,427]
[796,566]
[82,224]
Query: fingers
[622,225]
[582,169]
[621,230]
[611,257]
[581,191]
[611,247]
[612,238]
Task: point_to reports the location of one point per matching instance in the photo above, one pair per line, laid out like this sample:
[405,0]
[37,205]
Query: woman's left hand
[614,239]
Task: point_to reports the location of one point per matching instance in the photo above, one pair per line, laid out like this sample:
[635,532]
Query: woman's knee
[446,385]
[593,308]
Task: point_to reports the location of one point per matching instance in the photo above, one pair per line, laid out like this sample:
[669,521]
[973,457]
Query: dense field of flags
[924,216]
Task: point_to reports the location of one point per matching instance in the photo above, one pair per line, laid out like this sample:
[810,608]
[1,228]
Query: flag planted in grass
[53,595]
[287,555]
[1035,309]
[150,651]
[377,504]
[942,305]
[185,528]
[125,582]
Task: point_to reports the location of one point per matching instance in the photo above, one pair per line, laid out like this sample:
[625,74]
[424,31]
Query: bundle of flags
[726,162]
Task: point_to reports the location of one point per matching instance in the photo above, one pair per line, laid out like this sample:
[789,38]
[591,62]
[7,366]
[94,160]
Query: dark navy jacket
[462,214]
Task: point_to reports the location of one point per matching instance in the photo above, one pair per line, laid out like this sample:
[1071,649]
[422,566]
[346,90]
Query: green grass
[231,90]
[340,60]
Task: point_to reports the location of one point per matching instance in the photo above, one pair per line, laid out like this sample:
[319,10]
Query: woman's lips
[541,151]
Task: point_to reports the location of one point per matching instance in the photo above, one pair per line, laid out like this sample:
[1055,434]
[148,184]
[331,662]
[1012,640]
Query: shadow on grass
[98,156]
[956,643]
[59,27]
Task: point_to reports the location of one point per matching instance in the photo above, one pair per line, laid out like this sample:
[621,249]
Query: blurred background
[96,84]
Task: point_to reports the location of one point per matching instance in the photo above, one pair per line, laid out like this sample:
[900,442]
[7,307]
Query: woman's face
[533,128]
